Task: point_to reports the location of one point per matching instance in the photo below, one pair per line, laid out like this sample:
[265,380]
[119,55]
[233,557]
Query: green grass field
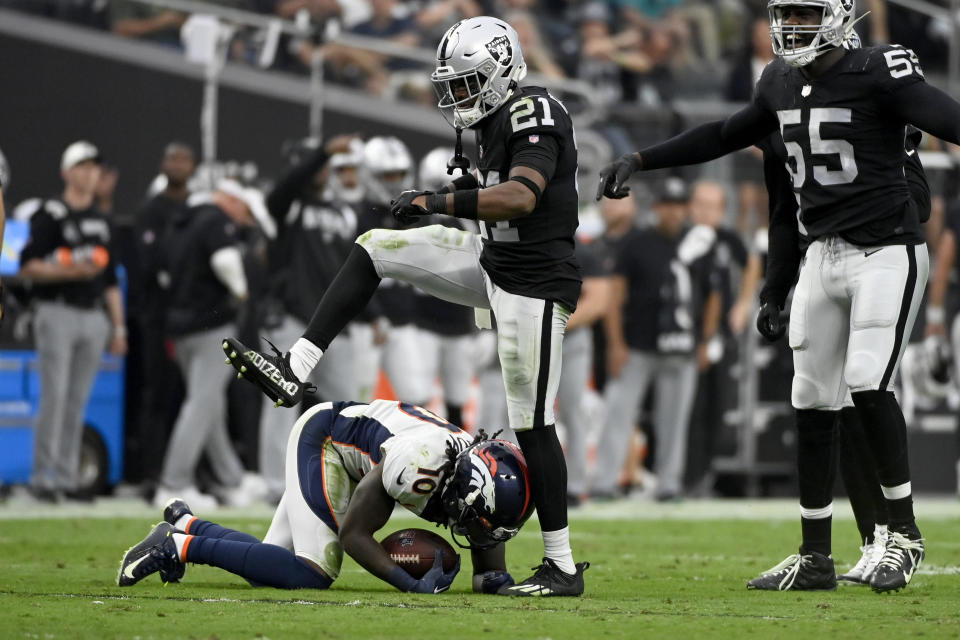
[650,577]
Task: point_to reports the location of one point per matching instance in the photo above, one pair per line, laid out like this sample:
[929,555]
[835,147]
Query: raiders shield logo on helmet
[500,49]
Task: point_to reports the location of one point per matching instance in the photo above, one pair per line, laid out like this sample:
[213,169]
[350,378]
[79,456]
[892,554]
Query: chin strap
[458,161]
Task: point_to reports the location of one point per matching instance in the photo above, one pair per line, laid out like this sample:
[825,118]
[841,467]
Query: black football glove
[403,209]
[436,580]
[614,175]
[772,321]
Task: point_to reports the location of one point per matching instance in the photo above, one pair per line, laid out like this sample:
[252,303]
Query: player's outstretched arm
[369,509]
[927,108]
[702,143]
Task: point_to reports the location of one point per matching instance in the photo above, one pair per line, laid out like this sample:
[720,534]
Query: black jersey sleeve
[43,238]
[539,152]
[783,251]
[927,108]
[711,140]
[289,186]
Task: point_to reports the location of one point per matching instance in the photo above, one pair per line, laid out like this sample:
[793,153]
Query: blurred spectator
[106,187]
[140,20]
[592,304]
[536,54]
[663,284]
[434,17]
[748,163]
[737,272]
[69,257]
[159,373]
[607,61]
[207,283]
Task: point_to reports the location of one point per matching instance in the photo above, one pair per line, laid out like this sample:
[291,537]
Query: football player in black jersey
[841,115]
[786,247]
[521,267]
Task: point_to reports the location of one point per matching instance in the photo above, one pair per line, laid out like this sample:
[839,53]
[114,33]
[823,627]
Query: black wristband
[529,184]
[465,204]
[466,181]
[436,203]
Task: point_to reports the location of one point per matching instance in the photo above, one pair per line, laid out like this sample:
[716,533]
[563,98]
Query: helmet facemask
[799,45]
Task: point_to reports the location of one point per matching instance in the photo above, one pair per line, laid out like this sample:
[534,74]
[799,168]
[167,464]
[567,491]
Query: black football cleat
[175,509]
[900,560]
[156,552]
[800,572]
[272,373]
[548,580]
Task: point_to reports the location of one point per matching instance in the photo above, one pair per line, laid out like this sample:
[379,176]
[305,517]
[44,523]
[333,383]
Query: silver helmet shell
[479,66]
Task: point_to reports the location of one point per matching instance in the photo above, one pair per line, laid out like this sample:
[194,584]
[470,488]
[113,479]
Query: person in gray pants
[69,259]
[665,303]
[207,284]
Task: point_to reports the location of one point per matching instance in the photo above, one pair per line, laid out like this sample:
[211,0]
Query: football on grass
[415,549]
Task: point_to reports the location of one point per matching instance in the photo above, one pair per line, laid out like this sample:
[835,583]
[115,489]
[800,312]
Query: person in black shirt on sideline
[70,260]
[841,114]
[207,285]
[159,373]
[524,195]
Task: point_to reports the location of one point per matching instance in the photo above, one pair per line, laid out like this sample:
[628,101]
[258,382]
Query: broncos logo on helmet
[487,494]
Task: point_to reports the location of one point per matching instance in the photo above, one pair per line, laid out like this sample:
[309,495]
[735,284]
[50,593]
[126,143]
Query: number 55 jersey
[532,255]
[844,143]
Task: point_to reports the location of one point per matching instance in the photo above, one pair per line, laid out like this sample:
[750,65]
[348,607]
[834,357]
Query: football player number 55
[819,146]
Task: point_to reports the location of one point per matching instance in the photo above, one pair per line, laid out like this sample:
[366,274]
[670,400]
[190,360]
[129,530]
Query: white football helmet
[479,66]
[339,190]
[433,174]
[387,168]
[835,24]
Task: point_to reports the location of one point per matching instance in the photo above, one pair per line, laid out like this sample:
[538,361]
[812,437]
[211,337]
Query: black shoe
[175,509]
[900,560]
[800,572]
[156,552]
[79,496]
[548,580]
[272,373]
[50,496]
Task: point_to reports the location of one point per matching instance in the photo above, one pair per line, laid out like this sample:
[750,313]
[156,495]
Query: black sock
[859,472]
[886,433]
[816,470]
[455,414]
[344,299]
[261,564]
[548,475]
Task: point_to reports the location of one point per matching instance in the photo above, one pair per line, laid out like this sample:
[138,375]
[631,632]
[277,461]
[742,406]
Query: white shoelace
[897,546]
[790,567]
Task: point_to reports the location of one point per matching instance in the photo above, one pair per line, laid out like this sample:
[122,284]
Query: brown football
[415,549]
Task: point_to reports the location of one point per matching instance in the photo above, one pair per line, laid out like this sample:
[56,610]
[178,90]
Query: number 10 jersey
[844,146]
[532,255]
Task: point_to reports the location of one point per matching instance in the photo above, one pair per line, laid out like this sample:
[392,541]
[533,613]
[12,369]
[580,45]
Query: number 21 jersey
[844,147]
[532,255]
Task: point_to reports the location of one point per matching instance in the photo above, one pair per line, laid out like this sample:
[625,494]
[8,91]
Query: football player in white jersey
[348,465]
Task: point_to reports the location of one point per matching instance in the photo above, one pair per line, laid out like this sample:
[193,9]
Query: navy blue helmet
[487,496]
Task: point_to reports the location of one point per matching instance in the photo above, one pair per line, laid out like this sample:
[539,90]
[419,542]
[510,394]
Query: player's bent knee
[308,576]
[805,394]
[862,371]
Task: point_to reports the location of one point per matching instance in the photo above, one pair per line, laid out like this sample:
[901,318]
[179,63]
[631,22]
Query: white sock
[556,546]
[183,521]
[304,356]
[180,539]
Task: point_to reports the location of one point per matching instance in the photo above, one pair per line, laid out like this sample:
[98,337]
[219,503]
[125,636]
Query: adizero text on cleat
[548,580]
[156,552]
[270,372]
[903,554]
[810,571]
